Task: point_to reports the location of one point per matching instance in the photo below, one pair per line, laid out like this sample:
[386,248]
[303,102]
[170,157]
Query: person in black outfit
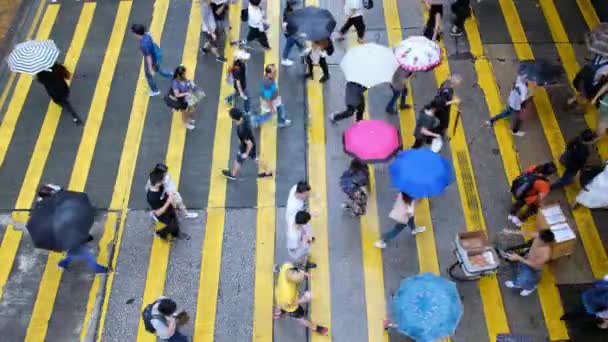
[57,88]
[432,28]
[574,158]
[461,10]
[355,103]
[444,100]
[162,207]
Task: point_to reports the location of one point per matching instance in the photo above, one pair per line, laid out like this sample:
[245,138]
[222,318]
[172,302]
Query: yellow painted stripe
[86,149]
[547,291]
[320,308]
[206,305]
[12,237]
[159,255]
[496,319]
[266,213]
[589,235]
[588,12]
[128,159]
[49,283]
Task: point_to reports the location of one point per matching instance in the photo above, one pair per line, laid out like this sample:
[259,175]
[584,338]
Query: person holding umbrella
[354,13]
[54,81]
[355,103]
[403,214]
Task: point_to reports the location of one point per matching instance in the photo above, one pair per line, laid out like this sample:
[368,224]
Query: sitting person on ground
[299,239]
[161,319]
[528,190]
[354,183]
[574,158]
[530,266]
[170,187]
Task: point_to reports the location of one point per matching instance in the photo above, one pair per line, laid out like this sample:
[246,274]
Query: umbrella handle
[456,123]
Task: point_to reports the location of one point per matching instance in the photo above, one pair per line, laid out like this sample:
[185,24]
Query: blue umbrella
[421,173]
[427,307]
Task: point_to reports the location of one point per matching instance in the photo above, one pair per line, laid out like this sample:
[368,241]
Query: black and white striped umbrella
[33,56]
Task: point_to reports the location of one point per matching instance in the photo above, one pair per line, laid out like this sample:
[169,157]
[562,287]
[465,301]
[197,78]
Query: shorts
[299,313]
[252,156]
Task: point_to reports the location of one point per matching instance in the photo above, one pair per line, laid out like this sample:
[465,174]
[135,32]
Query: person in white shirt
[517,97]
[209,29]
[257,24]
[299,238]
[296,200]
[354,13]
[220,10]
[317,56]
[164,320]
[169,186]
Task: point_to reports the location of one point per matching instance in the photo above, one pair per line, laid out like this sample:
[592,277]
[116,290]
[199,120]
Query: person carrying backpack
[529,189]
[152,57]
[161,318]
[574,158]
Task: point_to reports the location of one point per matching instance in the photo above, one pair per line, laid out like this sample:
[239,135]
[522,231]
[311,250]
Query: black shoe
[308,76]
[324,78]
[332,119]
[404,106]
[455,31]
[89,238]
[204,51]
[391,111]
[228,175]
[77,120]
[220,59]
[310,265]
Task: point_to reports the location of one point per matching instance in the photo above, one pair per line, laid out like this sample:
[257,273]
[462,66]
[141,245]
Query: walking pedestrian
[446,98]
[54,81]
[162,318]
[403,214]
[169,187]
[355,103]
[574,158]
[318,56]
[152,57]
[354,182]
[247,147]
[181,89]
[238,76]
[530,266]
[354,17]
[299,238]
[270,101]
[461,9]
[221,10]
[399,88]
[517,97]
[426,124]
[84,254]
[257,24]
[296,201]
[432,28]
[211,30]
[47,190]
[528,190]
[291,39]
[162,204]
[588,81]
[602,114]
[288,301]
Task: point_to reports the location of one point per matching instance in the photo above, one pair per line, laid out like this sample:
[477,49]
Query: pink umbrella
[371,141]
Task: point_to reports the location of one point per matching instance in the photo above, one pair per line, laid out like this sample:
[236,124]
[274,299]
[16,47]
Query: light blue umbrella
[420,172]
[427,307]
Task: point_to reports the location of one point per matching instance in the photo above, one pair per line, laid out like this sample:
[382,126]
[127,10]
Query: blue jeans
[526,277]
[565,179]
[391,105]
[84,254]
[234,97]
[505,113]
[257,120]
[515,122]
[289,43]
[177,337]
[398,228]
[150,78]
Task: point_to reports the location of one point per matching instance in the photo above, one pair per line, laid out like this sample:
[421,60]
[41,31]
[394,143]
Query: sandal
[265,174]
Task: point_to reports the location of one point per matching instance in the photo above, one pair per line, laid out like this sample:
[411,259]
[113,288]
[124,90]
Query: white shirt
[297,241]
[168,184]
[162,329]
[353,8]
[518,94]
[207,20]
[294,205]
[316,54]
[256,17]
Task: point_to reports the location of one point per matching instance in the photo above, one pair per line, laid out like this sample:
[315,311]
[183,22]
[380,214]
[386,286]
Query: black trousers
[461,10]
[255,34]
[518,205]
[322,64]
[171,227]
[421,141]
[350,111]
[65,104]
[358,23]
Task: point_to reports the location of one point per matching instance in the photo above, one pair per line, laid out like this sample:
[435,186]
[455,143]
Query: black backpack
[147,317]
[368,4]
[523,183]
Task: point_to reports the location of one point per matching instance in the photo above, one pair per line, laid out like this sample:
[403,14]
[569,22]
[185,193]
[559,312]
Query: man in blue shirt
[152,57]
[270,100]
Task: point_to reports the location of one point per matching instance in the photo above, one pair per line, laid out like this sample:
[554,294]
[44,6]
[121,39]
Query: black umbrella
[311,23]
[541,72]
[61,221]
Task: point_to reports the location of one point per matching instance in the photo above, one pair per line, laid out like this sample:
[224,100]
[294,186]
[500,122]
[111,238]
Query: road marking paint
[49,283]
[12,237]
[320,307]
[159,254]
[496,319]
[206,305]
[547,291]
[266,212]
[128,160]
[588,12]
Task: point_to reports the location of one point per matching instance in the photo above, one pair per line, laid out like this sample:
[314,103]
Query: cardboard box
[474,242]
[552,217]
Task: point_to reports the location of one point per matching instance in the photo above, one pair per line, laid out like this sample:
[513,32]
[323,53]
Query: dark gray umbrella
[541,72]
[311,23]
[61,221]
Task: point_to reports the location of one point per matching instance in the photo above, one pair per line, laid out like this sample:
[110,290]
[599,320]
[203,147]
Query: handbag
[171,101]
[194,97]
[368,4]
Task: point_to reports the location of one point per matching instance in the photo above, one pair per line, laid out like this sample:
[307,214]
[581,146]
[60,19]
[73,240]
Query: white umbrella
[33,56]
[418,53]
[369,65]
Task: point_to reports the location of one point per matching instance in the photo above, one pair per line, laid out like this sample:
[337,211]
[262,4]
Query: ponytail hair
[62,71]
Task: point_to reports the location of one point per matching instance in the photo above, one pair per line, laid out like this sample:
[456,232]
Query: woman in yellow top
[288,300]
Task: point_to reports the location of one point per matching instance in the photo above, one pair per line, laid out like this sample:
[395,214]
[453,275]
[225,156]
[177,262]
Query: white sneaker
[285,123]
[191,215]
[525,293]
[287,62]
[510,284]
[190,127]
[519,133]
[418,230]
[380,244]
[153,93]
[516,221]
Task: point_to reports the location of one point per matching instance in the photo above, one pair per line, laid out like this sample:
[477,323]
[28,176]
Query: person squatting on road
[170,188]
[152,57]
[403,214]
[163,319]
[299,238]
[528,190]
[162,204]
[355,103]
[54,81]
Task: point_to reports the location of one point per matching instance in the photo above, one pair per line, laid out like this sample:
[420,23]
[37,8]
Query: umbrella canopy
[541,72]
[61,221]
[418,53]
[371,141]
[427,307]
[33,56]
[311,23]
[597,39]
[369,64]
[421,173]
